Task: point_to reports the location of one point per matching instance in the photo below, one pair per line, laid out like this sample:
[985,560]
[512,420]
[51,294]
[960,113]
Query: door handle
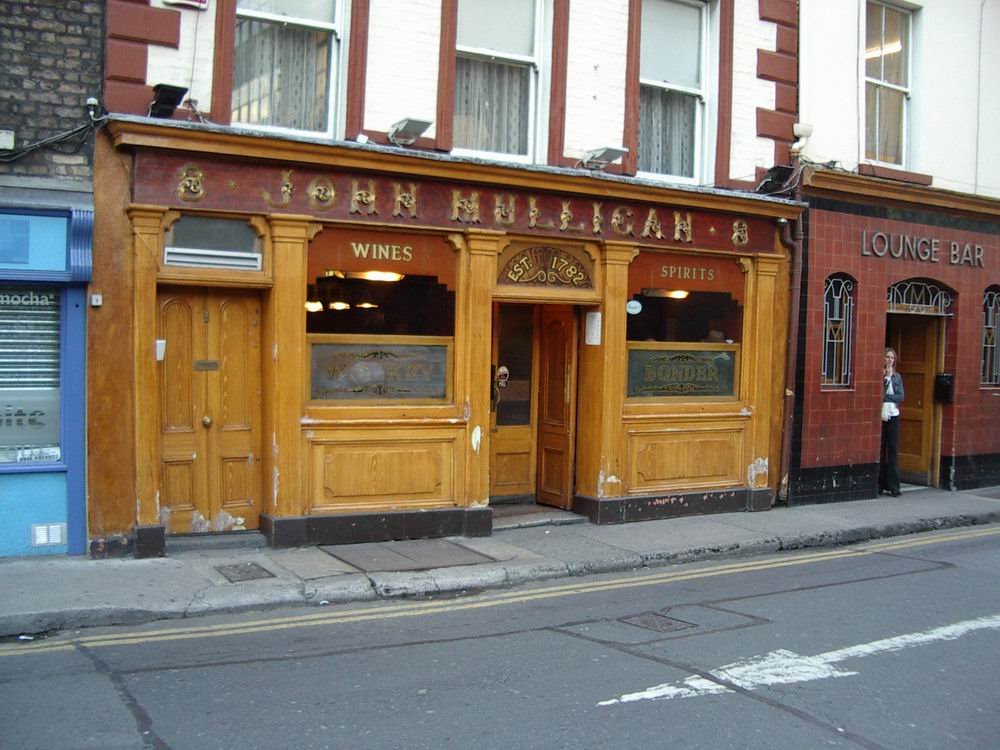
[206,420]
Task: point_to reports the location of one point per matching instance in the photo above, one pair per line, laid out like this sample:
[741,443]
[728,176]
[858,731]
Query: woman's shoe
[895,494]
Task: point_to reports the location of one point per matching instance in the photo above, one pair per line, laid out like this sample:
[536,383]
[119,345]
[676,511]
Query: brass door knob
[206,420]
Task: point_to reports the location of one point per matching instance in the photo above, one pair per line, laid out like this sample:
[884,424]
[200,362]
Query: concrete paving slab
[563,543]
[310,563]
[493,547]
[371,557]
[437,553]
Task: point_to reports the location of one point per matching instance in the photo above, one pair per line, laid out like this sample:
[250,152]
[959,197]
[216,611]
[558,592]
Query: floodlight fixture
[599,158]
[406,131]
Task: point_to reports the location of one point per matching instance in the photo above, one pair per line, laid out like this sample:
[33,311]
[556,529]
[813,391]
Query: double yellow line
[485,601]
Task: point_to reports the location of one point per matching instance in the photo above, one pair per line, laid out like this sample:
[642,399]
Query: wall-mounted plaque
[379,371]
[682,372]
[542,265]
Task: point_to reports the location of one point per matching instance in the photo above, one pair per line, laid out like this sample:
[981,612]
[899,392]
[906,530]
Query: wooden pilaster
[482,248]
[285,359]
[600,456]
[147,243]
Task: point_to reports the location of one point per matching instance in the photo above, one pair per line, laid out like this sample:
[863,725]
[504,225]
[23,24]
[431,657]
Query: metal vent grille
[226,259]
[48,534]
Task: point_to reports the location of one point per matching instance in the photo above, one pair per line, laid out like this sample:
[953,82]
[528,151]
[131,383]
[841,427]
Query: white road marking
[783,667]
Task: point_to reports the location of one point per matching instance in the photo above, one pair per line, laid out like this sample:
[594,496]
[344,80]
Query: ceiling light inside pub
[368,275]
[666,293]
[366,305]
[339,306]
[314,305]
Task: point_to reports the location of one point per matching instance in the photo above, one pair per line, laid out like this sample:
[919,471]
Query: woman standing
[892,397]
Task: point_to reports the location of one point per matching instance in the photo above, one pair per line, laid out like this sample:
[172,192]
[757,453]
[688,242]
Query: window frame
[539,81]
[906,90]
[991,323]
[701,109]
[336,89]
[846,382]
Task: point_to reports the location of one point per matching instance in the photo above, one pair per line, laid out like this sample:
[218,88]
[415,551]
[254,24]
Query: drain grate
[244,572]
[657,622]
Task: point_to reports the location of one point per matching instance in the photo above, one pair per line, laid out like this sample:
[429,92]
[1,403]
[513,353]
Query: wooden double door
[533,416]
[210,409]
[915,338]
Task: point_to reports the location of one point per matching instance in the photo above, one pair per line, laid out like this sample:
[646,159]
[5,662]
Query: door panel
[512,444]
[915,340]
[557,397]
[210,410]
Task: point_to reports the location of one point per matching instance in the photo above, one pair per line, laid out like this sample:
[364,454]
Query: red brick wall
[841,427]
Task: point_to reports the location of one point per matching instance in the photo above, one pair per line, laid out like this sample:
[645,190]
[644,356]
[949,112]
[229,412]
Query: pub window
[684,329]
[991,324]
[29,374]
[838,331]
[887,82]
[380,318]
[285,66]
[497,76]
[672,87]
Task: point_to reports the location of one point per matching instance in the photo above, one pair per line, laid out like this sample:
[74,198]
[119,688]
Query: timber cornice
[841,185]
[136,133]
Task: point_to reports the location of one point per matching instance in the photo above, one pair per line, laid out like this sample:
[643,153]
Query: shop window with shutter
[30,317]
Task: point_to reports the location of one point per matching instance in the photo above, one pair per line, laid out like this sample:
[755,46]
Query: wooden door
[512,447]
[209,388]
[914,338]
[557,405]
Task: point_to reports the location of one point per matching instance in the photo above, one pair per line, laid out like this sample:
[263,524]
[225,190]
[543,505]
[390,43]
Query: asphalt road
[884,645]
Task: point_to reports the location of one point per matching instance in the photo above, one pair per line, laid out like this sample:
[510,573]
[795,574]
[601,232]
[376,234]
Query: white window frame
[701,111]
[990,345]
[538,87]
[336,64]
[905,90]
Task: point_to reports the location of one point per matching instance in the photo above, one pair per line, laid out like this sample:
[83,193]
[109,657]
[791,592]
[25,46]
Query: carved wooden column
[147,245]
[476,324]
[768,352]
[600,454]
[284,367]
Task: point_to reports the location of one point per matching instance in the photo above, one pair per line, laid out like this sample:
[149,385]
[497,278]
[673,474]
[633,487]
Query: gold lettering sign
[545,266]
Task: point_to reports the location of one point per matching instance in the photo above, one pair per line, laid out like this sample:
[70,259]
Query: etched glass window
[991,324]
[285,55]
[380,317]
[887,82]
[838,331]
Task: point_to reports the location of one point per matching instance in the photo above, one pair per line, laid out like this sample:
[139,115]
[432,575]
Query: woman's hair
[890,350]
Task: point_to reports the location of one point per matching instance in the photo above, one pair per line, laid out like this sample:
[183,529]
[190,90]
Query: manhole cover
[656,621]
[244,572]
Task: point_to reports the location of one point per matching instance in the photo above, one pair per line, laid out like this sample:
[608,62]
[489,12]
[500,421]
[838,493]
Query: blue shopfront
[45,264]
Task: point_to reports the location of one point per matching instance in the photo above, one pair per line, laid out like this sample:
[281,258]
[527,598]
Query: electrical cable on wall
[77,137]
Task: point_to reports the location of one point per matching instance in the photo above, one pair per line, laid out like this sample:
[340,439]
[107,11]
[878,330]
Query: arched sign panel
[546,271]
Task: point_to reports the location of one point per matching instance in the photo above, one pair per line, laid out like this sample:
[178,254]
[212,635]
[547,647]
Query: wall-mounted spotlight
[406,131]
[166,99]
[599,158]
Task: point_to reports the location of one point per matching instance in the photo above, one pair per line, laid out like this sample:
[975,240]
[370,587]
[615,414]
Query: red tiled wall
[132,25]
[841,427]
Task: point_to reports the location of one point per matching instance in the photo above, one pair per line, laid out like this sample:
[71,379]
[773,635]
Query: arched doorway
[916,312]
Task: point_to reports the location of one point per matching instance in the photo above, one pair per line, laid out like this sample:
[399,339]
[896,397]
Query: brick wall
[841,427]
[52,57]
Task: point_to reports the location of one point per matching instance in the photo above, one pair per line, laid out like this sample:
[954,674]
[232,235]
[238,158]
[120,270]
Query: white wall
[595,75]
[190,65]
[404,40]
[954,82]
[747,151]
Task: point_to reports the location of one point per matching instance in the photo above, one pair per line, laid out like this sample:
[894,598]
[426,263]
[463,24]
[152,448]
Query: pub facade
[345,343]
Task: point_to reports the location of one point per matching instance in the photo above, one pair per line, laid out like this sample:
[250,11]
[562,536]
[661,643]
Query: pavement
[237,573]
